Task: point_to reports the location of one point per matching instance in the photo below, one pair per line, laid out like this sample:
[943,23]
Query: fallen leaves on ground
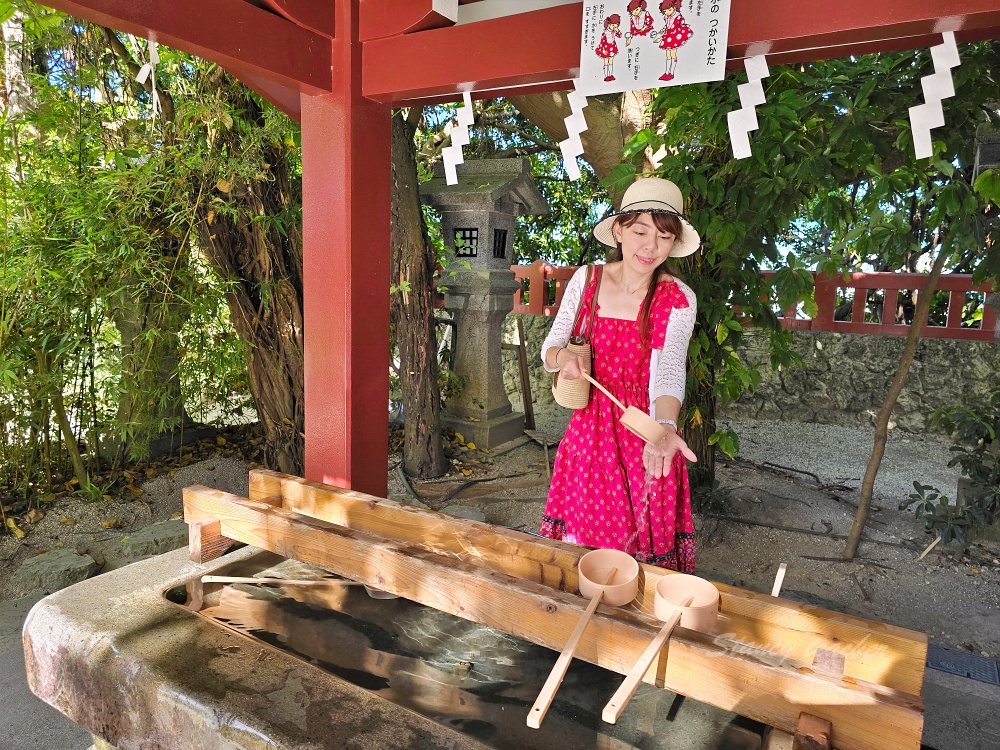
[15,529]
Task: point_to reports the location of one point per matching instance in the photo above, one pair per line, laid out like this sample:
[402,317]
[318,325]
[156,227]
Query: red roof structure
[339,66]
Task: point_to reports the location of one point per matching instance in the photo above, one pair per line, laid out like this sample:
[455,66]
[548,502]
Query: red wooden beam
[387,18]
[502,53]
[309,14]
[542,48]
[241,37]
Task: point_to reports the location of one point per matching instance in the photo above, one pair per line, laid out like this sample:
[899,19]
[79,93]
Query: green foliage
[976,452]
[106,301]
[832,185]
[943,519]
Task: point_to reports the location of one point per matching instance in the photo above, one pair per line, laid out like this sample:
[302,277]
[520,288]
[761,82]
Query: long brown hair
[664,223]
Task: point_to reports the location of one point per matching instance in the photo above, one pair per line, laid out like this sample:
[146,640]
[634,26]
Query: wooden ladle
[689,600]
[624,693]
[634,419]
[605,575]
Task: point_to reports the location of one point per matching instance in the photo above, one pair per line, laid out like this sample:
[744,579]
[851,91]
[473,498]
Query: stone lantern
[478,220]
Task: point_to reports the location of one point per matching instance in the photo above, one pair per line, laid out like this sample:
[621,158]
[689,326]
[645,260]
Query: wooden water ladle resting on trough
[689,600]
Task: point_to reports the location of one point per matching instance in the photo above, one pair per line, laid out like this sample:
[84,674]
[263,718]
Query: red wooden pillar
[346,168]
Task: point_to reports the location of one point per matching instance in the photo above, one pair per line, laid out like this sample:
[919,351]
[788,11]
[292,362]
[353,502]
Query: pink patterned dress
[597,494]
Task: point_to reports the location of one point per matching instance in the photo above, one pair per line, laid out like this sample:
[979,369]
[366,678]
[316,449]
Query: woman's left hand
[657,457]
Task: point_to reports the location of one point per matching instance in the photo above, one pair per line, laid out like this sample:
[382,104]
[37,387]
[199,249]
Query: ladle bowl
[633,419]
[703,611]
[595,566]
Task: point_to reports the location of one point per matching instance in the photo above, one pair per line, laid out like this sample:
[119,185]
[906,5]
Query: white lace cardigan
[667,367]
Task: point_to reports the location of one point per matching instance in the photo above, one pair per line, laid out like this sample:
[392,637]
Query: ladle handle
[624,693]
[277,581]
[603,390]
[548,692]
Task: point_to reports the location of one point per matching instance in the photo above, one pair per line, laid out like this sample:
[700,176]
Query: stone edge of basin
[117,658]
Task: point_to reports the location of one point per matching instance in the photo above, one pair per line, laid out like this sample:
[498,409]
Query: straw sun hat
[653,195]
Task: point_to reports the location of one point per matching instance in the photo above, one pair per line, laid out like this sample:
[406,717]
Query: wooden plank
[205,540]
[812,733]
[743,680]
[511,552]
[873,651]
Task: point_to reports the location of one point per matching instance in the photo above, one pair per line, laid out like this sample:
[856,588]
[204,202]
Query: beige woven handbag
[575,394]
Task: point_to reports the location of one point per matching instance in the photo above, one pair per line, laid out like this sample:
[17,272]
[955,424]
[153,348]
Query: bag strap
[593,302]
[579,307]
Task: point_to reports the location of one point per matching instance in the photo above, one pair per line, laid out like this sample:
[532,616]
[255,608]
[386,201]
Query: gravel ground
[839,455]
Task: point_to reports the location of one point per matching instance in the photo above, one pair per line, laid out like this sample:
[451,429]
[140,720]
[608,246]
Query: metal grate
[962,663]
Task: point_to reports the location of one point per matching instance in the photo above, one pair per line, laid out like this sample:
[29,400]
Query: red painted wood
[541,275]
[796,32]
[387,18]
[542,48]
[242,38]
[346,170]
[502,53]
[315,15]
[956,301]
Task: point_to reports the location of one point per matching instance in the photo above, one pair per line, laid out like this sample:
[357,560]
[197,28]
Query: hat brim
[689,242]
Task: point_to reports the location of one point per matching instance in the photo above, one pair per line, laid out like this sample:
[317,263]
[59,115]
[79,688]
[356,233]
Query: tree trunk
[413,263]
[611,121]
[698,430]
[151,401]
[895,387]
[262,260]
[59,407]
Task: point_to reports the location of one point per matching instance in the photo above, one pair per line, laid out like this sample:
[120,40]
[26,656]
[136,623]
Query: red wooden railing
[543,286]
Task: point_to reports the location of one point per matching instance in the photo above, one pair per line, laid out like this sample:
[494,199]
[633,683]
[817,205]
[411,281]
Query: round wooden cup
[595,566]
[703,611]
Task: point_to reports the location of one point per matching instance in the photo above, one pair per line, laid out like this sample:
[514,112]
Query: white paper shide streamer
[937,86]
[742,121]
[576,123]
[148,70]
[452,155]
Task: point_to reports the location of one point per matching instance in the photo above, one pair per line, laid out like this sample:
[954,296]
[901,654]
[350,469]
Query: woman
[674,35]
[609,488]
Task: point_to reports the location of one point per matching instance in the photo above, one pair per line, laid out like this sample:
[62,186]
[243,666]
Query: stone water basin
[139,660]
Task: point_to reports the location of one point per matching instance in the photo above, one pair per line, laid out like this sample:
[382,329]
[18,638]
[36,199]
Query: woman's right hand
[570,364]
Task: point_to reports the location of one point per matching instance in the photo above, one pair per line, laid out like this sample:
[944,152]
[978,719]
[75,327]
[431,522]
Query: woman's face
[644,247]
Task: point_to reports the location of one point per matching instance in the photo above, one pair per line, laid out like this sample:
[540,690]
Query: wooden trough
[767,659]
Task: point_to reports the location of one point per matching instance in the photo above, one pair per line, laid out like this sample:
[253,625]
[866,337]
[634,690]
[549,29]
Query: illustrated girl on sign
[608,47]
[640,21]
[674,34]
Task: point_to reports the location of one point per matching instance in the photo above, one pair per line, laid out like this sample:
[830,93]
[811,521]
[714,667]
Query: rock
[408,499]
[54,570]
[156,539]
[465,511]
